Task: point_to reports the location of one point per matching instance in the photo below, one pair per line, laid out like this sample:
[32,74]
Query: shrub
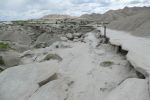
[106,63]
[1,60]
[4,46]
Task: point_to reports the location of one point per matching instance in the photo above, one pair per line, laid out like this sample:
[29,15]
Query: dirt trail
[91,80]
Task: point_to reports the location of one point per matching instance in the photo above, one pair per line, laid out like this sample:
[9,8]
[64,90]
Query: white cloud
[26,9]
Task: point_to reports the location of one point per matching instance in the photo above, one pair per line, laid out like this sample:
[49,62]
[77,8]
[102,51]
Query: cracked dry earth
[88,72]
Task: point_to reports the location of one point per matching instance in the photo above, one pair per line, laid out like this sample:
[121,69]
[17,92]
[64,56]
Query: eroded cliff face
[130,19]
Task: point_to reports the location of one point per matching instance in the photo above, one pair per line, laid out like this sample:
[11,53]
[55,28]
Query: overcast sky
[27,9]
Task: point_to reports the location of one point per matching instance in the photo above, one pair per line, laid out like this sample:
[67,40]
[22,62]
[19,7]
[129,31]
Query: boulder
[44,38]
[98,34]
[40,45]
[63,38]
[10,59]
[69,36]
[60,45]
[27,53]
[21,82]
[76,40]
[130,89]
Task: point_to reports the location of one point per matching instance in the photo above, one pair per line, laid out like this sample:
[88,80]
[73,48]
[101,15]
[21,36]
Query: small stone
[63,38]
[77,35]
[41,45]
[69,36]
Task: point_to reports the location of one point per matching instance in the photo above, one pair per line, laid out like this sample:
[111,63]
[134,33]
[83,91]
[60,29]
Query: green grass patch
[4,46]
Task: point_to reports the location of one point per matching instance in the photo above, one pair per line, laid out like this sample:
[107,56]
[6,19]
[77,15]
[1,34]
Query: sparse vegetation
[4,46]
[22,22]
[106,63]
[1,61]
[19,22]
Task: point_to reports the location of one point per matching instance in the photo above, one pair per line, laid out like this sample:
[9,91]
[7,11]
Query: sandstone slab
[20,82]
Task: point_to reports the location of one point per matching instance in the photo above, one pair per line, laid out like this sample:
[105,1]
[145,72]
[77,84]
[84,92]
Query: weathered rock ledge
[136,48]
[21,82]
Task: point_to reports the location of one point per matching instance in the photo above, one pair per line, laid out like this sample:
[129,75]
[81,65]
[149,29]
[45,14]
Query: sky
[28,9]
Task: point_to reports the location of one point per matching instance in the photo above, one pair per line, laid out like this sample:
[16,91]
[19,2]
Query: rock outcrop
[21,82]
[130,89]
[10,59]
